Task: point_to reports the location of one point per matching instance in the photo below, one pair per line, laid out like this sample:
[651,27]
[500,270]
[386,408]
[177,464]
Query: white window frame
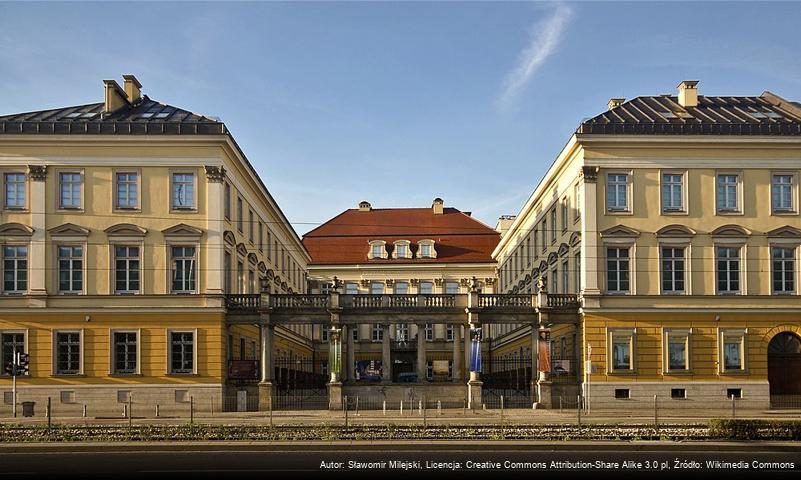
[631,334]
[196,246]
[429,332]
[194,332]
[25,192]
[380,244]
[112,370]
[618,209]
[184,208]
[11,331]
[428,284]
[631,260]
[793,208]
[26,245]
[741,249]
[354,290]
[81,352]
[685,274]
[113,255]
[723,335]
[738,210]
[377,333]
[673,210]
[57,269]
[71,208]
[116,189]
[684,334]
[430,244]
[401,288]
[793,258]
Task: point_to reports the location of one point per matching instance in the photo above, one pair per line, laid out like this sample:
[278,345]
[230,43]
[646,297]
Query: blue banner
[475,350]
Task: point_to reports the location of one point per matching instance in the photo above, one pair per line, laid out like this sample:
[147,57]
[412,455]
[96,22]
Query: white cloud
[545,37]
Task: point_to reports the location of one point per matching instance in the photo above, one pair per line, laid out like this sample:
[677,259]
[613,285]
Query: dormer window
[426,249]
[377,249]
[401,249]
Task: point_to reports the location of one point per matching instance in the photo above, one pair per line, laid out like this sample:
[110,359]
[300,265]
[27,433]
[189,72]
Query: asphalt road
[427,459]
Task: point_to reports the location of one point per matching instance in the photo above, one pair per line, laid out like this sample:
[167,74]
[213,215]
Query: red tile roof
[458,238]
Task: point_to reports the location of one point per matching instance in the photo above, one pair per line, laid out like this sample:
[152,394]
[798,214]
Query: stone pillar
[266,387]
[466,373]
[535,362]
[457,353]
[386,354]
[589,232]
[215,199]
[335,367]
[350,355]
[474,385]
[37,270]
[421,352]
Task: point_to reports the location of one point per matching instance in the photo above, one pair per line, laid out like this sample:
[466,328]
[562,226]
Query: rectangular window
[451,288]
[554,286]
[15,190]
[578,272]
[553,225]
[734,392]
[449,333]
[355,332]
[68,353]
[673,269]
[183,190]
[376,288]
[429,370]
[564,214]
[429,332]
[617,196]
[251,226]
[126,269]
[127,190]
[565,277]
[401,288]
[183,269]
[728,269]
[672,192]
[125,352]
[732,346]
[227,272]
[70,269]
[426,288]
[678,393]
[240,277]
[69,190]
[783,260]
[240,216]
[269,242]
[324,333]
[677,347]
[536,237]
[617,269]
[402,332]
[622,343]
[182,352]
[261,236]
[351,289]
[577,196]
[378,333]
[401,250]
[11,343]
[622,393]
[378,251]
[15,269]
[425,250]
[781,193]
[227,201]
[544,237]
[727,196]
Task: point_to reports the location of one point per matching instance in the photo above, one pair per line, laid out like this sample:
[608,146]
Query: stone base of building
[450,395]
[171,400]
[335,395]
[474,398]
[698,395]
[266,393]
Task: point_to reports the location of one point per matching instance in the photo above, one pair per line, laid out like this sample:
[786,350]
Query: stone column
[474,385]
[421,352]
[37,263]
[457,352]
[266,388]
[386,354]
[589,232]
[335,367]
[215,199]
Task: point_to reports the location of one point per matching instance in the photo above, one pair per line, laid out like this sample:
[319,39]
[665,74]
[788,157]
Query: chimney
[688,93]
[504,222]
[438,206]
[132,88]
[115,96]
[615,102]
[364,206]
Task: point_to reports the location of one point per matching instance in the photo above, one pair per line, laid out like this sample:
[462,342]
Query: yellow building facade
[124,224]
[677,226]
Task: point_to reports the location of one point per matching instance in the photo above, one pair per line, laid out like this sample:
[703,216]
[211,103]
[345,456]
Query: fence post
[49,414]
[656,413]
[401,409]
[501,415]
[384,407]
[733,411]
[271,413]
[578,411]
[419,407]
[191,409]
[130,409]
[157,410]
[357,406]
[346,412]
[439,407]
[84,410]
[425,413]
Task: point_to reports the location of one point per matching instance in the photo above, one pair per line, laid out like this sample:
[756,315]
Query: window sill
[678,372]
[675,212]
[184,210]
[622,372]
[784,213]
[125,375]
[734,372]
[68,375]
[618,212]
[127,210]
[70,209]
[13,210]
[178,374]
[729,212]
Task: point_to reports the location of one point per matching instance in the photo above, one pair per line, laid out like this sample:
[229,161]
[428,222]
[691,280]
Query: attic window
[146,115]
[74,115]
[426,249]
[377,250]
[774,115]
[758,114]
[401,249]
[669,115]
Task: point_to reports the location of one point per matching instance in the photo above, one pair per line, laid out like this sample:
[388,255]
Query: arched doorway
[784,370]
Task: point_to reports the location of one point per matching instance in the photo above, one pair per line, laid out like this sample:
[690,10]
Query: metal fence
[785,401]
[510,379]
[300,385]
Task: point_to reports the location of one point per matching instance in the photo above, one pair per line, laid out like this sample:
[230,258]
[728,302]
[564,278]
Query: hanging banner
[475,350]
[544,345]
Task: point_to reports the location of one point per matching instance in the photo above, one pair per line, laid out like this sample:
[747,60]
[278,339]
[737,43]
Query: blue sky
[396,103]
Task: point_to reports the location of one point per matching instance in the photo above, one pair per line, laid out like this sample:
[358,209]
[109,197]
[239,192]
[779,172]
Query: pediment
[229,238]
[575,239]
[182,230]
[70,229]
[552,258]
[15,230]
[269,273]
[535,272]
[543,266]
[785,232]
[126,229]
[563,249]
[675,230]
[262,267]
[242,249]
[521,284]
[731,230]
[253,259]
[527,279]
[620,231]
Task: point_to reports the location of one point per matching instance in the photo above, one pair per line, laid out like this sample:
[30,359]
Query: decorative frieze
[215,173]
[37,173]
[590,174]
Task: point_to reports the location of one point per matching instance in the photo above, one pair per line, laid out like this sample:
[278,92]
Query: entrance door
[784,371]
